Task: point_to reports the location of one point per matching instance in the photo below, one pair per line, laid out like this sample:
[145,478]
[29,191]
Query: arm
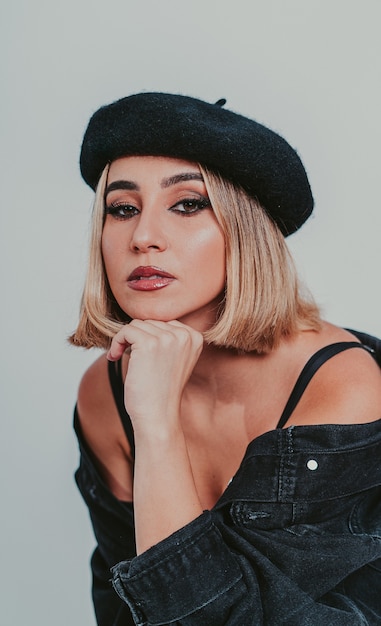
[205,574]
[162,357]
[106,466]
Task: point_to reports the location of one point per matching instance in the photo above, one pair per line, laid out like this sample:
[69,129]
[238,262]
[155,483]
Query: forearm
[165,496]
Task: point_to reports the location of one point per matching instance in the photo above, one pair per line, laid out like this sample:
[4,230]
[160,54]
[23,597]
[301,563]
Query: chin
[156,315]
[201,319]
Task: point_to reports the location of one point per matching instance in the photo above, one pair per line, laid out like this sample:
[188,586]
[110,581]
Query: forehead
[153,168]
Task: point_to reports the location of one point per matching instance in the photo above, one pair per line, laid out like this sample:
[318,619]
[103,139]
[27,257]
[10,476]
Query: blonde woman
[230,438]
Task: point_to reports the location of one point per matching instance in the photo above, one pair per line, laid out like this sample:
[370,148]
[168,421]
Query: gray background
[310,69]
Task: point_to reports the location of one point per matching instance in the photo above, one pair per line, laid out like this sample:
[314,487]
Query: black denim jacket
[294,540]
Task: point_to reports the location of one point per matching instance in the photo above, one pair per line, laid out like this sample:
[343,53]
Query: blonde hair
[262,300]
[100,315]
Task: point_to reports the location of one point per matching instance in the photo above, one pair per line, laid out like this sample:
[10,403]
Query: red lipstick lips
[149,278]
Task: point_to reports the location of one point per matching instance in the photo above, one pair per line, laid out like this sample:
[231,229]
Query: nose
[148,234]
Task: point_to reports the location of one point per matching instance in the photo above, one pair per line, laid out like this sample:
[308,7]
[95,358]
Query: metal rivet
[312,464]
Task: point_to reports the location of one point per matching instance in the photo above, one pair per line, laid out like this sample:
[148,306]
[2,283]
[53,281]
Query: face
[162,246]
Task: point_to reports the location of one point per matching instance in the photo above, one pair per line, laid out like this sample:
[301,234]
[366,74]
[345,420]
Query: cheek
[108,238]
[106,249]
[111,262]
[210,250]
[111,248]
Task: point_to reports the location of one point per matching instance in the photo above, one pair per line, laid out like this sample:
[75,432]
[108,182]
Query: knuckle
[186,337]
[152,342]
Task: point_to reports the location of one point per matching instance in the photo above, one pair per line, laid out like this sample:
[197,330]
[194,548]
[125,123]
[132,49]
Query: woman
[230,439]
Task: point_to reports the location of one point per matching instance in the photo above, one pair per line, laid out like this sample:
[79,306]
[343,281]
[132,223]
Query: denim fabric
[295,540]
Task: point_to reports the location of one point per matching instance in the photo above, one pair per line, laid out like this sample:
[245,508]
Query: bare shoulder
[102,429]
[346,389]
[94,388]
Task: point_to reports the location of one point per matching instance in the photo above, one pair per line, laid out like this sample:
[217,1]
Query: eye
[189,206]
[121,211]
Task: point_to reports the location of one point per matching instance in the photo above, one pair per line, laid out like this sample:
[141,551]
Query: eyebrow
[121,184]
[180,178]
[165,183]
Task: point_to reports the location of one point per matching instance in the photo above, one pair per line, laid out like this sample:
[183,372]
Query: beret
[240,149]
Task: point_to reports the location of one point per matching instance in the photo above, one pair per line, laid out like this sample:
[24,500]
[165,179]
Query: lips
[149,278]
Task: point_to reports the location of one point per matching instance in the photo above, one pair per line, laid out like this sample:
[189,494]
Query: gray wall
[309,69]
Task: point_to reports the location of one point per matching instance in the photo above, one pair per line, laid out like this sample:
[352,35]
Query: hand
[162,358]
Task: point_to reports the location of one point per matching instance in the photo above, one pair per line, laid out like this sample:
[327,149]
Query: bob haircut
[262,301]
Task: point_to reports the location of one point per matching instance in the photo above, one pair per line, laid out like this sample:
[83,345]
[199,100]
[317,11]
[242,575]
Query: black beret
[240,149]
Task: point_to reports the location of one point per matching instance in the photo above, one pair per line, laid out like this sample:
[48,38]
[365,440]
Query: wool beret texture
[238,148]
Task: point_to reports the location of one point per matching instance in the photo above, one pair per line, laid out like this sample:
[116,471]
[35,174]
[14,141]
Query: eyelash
[195,204]
[113,210]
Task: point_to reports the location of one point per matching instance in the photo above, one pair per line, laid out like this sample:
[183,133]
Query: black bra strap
[116,382]
[310,368]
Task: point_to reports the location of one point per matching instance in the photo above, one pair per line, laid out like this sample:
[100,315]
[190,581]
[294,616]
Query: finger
[119,345]
[159,329]
[197,337]
[122,341]
[174,324]
[129,335]
[138,330]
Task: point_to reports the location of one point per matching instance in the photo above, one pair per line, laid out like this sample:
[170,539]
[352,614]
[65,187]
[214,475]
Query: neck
[223,372]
